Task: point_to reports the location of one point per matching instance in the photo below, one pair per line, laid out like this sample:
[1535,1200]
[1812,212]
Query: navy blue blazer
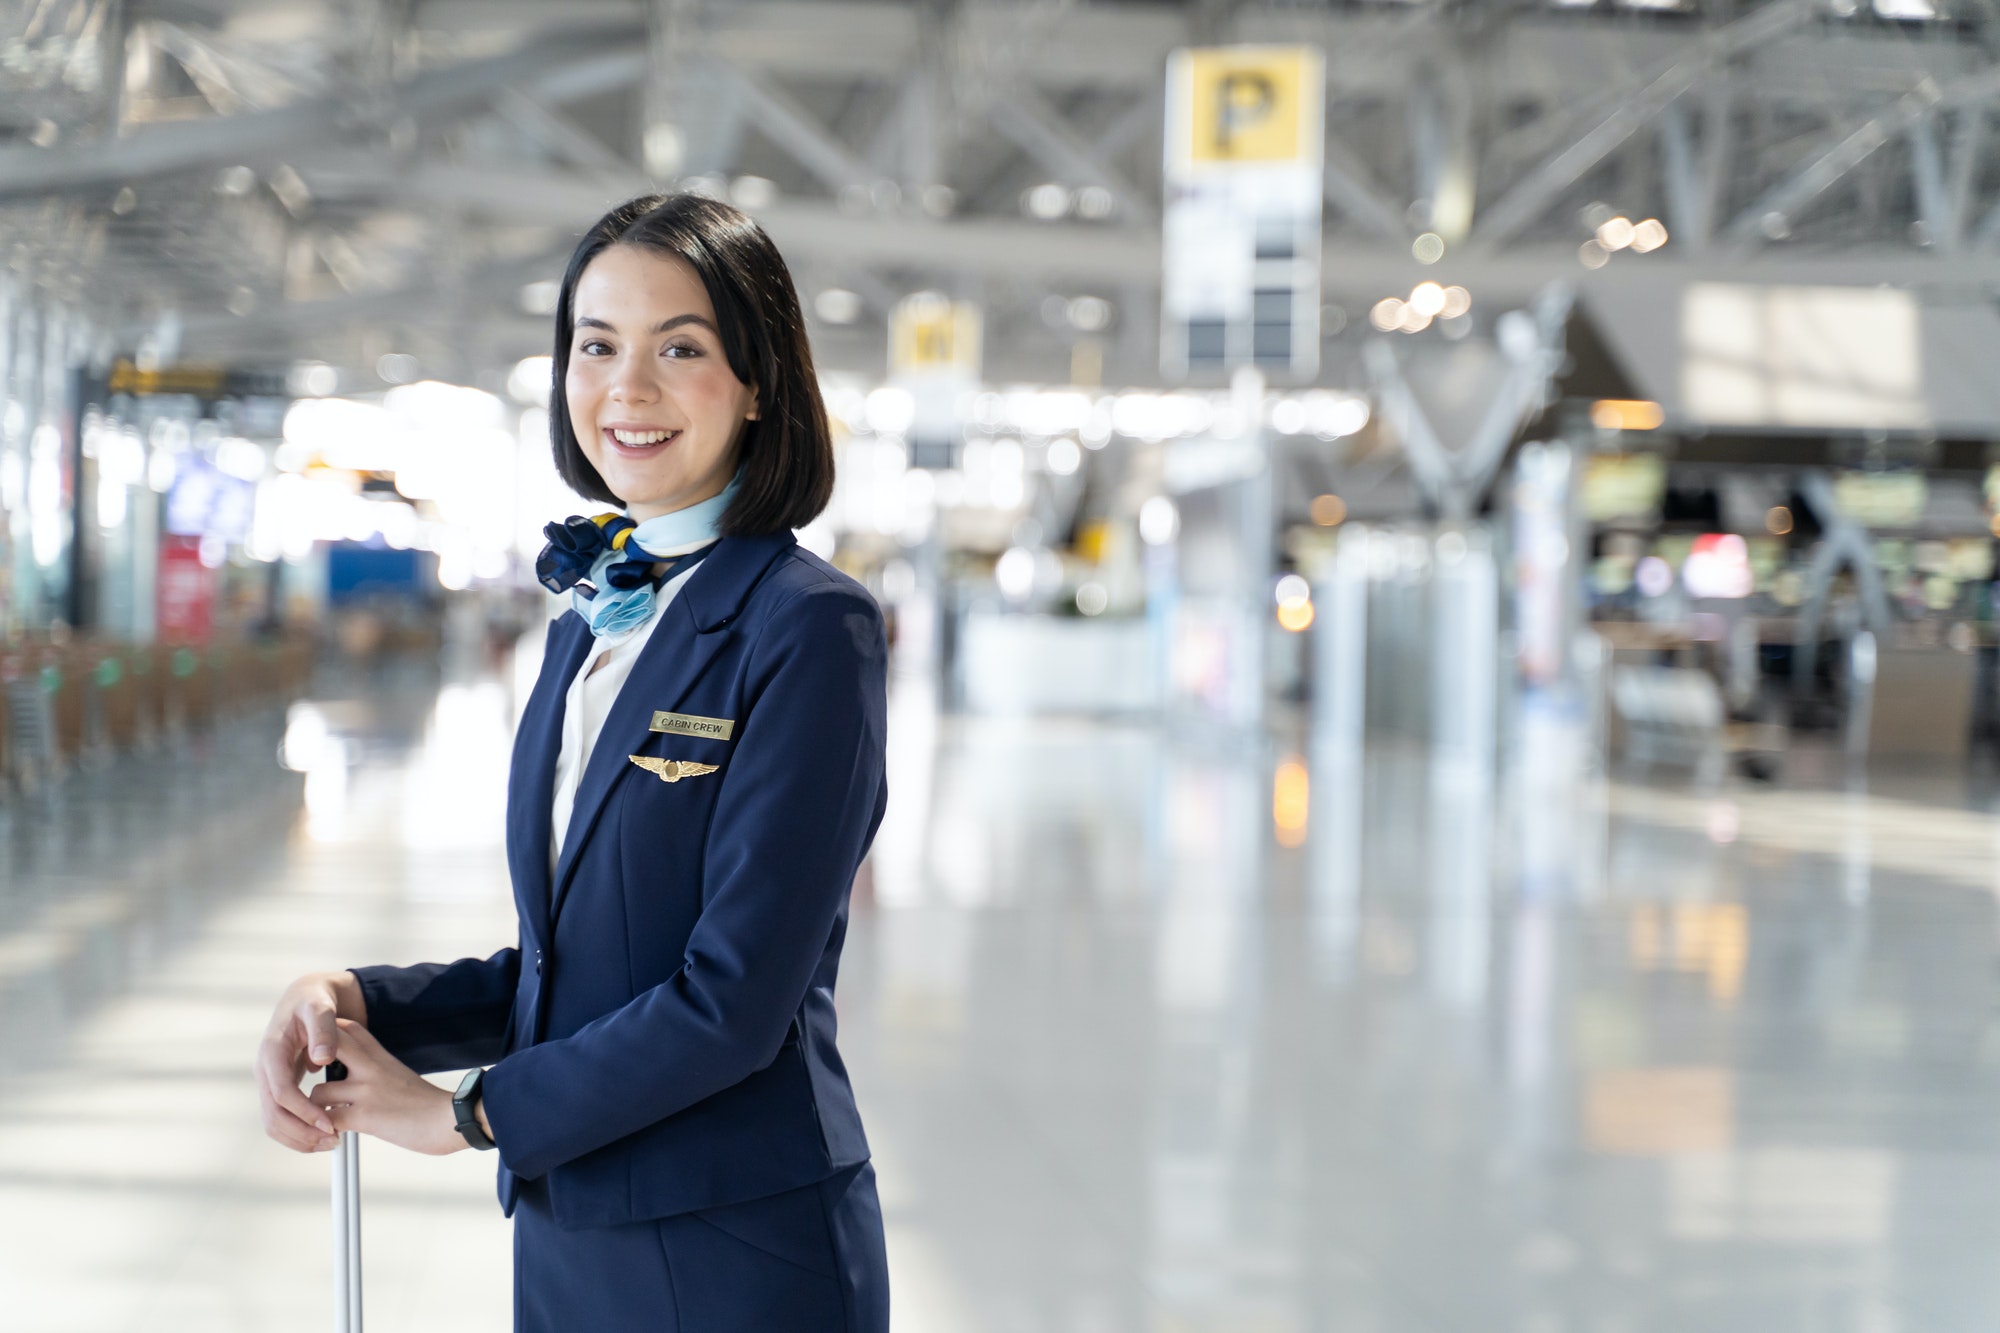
[662,1040]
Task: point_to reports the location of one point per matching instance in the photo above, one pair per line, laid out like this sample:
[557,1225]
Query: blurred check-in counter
[1923,703]
[1014,664]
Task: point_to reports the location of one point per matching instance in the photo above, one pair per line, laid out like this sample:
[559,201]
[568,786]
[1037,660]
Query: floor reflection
[1543,1054]
[1153,1032]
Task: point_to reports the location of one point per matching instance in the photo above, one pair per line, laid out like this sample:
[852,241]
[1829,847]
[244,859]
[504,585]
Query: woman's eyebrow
[590,322]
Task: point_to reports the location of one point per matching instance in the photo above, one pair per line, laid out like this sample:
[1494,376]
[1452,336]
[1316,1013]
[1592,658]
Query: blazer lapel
[693,629]
[531,780]
[668,666]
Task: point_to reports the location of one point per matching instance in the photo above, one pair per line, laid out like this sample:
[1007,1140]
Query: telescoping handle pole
[346,1224]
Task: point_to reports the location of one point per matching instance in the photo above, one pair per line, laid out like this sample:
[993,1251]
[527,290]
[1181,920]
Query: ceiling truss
[322,181]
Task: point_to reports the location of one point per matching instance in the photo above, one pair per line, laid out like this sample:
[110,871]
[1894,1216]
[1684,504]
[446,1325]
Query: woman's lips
[612,441]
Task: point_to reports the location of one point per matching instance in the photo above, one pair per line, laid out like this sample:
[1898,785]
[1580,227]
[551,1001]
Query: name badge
[687,724]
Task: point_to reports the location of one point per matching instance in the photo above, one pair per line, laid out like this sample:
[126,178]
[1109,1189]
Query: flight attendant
[696,778]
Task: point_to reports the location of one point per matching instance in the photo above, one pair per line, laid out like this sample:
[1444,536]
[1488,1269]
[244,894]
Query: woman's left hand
[384,1097]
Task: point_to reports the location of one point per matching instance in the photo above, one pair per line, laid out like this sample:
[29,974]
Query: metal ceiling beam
[1350,187]
[1828,167]
[1538,191]
[558,134]
[1109,255]
[794,129]
[1039,130]
[265,135]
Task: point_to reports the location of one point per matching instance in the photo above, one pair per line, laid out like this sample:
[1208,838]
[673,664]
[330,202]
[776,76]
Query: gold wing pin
[670,770]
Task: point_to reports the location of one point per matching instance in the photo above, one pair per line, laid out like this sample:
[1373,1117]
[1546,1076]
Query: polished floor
[1152,1032]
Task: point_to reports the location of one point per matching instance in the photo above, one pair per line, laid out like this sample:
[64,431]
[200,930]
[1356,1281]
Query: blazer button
[538,962]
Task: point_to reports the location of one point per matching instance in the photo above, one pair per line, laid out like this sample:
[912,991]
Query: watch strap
[464,1109]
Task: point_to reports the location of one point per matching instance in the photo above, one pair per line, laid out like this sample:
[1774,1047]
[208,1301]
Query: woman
[697,776]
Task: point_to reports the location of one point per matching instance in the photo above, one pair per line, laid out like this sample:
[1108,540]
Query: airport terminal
[1418,575]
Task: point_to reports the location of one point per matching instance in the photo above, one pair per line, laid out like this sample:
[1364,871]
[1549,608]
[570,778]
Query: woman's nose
[633,383]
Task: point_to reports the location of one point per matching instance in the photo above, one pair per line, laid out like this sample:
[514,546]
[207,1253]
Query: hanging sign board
[1241,228]
[934,356]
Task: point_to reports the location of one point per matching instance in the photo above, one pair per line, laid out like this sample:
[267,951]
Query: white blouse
[594,689]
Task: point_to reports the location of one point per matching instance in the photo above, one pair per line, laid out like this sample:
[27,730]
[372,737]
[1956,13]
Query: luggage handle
[346,1223]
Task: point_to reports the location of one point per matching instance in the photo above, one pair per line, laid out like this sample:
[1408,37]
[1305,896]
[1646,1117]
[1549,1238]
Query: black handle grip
[336,1072]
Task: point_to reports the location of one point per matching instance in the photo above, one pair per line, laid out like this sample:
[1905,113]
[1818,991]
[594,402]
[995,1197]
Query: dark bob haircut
[785,454]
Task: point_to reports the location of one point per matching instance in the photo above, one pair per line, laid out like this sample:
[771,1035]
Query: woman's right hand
[301,1037]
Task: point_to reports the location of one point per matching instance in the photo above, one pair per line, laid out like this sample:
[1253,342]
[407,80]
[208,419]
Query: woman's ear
[751,413]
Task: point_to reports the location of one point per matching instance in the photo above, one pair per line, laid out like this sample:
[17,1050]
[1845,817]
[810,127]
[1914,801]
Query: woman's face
[652,399]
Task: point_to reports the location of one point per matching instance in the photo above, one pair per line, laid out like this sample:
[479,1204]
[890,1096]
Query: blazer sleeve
[800,799]
[434,1016]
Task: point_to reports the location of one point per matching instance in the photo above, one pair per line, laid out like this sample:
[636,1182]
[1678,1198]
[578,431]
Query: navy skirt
[809,1260]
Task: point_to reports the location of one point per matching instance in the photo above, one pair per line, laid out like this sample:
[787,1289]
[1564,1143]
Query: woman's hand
[384,1097]
[301,1037]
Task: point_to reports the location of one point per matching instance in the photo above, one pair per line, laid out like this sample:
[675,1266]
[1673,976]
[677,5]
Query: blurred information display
[1242,222]
[205,501]
[1881,499]
[184,591]
[1627,486]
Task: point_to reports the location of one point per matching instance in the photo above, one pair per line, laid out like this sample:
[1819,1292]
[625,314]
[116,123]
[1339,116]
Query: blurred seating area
[74,702]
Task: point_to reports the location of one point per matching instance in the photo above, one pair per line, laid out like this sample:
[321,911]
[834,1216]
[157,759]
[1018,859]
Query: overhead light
[890,410]
[1457,301]
[1592,255]
[837,305]
[1387,314]
[540,298]
[1649,235]
[532,380]
[1095,203]
[664,147]
[1329,510]
[1427,248]
[1015,573]
[397,368]
[1091,314]
[1047,201]
[312,379]
[1427,299]
[1615,234]
[753,192]
[1626,414]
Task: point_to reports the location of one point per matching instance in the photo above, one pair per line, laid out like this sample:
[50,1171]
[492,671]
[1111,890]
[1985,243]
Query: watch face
[467,1084]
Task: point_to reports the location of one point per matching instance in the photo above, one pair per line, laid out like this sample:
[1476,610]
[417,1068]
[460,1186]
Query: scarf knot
[606,562]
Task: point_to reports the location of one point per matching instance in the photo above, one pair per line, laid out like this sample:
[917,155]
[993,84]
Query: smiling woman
[697,776]
[680,361]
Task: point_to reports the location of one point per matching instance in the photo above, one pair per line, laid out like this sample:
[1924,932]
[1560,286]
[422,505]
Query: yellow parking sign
[931,333]
[1250,104]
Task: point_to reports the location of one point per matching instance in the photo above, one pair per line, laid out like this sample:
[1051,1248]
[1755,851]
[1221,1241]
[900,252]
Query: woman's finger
[356,1038]
[322,1039]
[288,1130]
[277,1083]
[328,1095]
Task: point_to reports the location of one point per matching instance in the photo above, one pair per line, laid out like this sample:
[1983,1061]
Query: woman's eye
[681,351]
[595,347]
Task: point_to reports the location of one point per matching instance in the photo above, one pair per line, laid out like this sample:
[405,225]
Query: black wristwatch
[465,1107]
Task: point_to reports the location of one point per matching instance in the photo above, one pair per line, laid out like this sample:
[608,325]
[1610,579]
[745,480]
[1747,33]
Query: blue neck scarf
[606,563]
